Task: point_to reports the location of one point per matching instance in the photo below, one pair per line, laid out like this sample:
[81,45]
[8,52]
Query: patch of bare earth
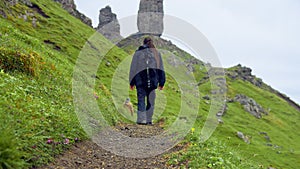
[89,155]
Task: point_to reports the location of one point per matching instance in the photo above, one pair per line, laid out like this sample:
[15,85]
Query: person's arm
[133,70]
[161,74]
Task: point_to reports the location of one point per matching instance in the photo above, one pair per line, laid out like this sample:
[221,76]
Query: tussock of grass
[11,61]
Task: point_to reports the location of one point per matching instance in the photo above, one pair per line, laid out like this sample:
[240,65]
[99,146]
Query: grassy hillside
[224,148]
[36,107]
[37,113]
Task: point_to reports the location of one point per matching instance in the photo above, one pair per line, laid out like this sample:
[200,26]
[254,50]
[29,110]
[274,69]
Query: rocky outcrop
[109,25]
[190,64]
[222,111]
[268,139]
[244,73]
[251,106]
[70,6]
[243,137]
[150,17]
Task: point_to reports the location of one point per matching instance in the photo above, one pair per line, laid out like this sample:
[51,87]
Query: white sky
[261,34]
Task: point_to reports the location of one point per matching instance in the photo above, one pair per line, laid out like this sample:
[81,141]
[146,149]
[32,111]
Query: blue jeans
[145,109]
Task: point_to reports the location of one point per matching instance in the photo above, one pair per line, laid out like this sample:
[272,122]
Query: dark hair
[148,41]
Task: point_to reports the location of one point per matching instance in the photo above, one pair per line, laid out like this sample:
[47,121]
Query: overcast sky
[261,34]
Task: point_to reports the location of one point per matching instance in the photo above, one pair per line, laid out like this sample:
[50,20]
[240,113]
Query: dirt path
[89,155]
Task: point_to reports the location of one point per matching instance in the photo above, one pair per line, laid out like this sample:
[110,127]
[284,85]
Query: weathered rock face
[109,25]
[245,73]
[150,17]
[70,6]
[250,105]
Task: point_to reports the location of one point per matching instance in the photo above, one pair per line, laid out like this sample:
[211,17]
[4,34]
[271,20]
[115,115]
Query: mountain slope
[37,114]
[272,138]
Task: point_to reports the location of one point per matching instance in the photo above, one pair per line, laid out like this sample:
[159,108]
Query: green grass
[36,85]
[37,107]
[210,154]
[280,125]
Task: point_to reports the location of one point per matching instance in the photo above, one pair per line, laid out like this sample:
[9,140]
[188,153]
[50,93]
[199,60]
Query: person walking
[146,74]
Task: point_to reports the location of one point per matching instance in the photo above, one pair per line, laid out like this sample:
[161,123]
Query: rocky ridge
[70,6]
[245,74]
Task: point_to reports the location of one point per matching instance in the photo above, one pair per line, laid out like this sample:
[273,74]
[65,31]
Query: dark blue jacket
[144,71]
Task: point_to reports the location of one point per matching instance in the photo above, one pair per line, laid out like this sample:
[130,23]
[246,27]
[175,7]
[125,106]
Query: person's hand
[160,88]
[131,87]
